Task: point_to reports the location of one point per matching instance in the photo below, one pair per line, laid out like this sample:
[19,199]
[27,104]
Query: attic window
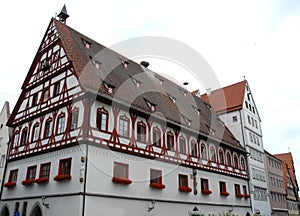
[96,63]
[188,121]
[136,82]
[125,64]
[109,88]
[152,106]
[86,43]
[172,98]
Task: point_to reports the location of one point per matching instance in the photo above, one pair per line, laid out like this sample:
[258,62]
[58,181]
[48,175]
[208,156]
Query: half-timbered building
[97,133]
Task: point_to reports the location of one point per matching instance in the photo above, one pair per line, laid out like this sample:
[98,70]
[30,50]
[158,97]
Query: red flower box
[28,182]
[246,196]
[224,193]
[239,195]
[185,189]
[206,192]
[62,177]
[157,185]
[10,184]
[121,181]
[41,180]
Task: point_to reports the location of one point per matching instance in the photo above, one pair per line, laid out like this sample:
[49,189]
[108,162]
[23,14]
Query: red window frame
[204,184]
[183,180]
[24,135]
[228,159]
[182,145]
[61,121]
[235,162]
[212,154]
[221,157]
[48,128]
[102,119]
[203,152]
[245,191]
[155,176]
[13,175]
[222,186]
[156,137]
[141,132]
[124,126]
[45,170]
[194,149]
[121,170]
[237,190]
[65,166]
[170,141]
[74,119]
[31,172]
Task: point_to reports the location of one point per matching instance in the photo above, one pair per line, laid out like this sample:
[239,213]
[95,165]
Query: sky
[257,39]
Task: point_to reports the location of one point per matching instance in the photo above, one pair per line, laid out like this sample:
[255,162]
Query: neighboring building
[235,105]
[276,185]
[96,133]
[290,182]
[4,139]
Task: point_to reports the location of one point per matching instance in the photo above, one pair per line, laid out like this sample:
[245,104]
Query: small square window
[121,170]
[13,175]
[65,166]
[155,176]
[31,172]
[234,118]
[222,187]
[204,184]
[45,170]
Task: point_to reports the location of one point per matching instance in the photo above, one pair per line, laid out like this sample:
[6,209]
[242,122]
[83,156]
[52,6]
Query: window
[182,145]
[46,95]
[156,137]
[170,141]
[155,176]
[16,139]
[243,165]
[31,172]
[212,154]
[228,159]
[56,89]
[237,190]
[48,128]
[245,190]
[34,99]
[221,157]
[121,170]
[222,186]
[13,176]
[87,44]
[204,186]
[60,124]
[203,152]
[183,180]
[235,162]
[24,137]
[124,126]
[74,119]
[65,166]
[35,132]
[45,170]
[234,119]
[249,120]
[194,151]
[102,119]
[141,132]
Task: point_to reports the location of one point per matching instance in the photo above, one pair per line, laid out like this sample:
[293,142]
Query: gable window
[124,126]
[194,151]
[120,173]
[228,159]
[34,99]
[203,152]
[16,139]
[45,170]
[48,128]
[212,154]
[156,179]
[235,162]
[24,137]
[60,124]
[56,89]
[102,119]
[182,145]
[74,119]
[221,157]
[31,172]
[156,137]
[35,132]
[46,95]
[170,141]
[141,132]
[204,186]
[183,183]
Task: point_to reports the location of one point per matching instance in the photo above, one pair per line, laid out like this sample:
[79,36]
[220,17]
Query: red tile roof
[227,99]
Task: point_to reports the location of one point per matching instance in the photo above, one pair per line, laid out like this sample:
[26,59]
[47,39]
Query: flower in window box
[157,185]
[239,195]
[206,192]
[118,180]
[224,193]
[28,182]
[62,177]
[246,196]
[10,184]
[185,189]
[41,180]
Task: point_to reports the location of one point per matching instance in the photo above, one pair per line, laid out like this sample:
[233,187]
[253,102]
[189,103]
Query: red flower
[239,195]
[185,189]
[224,193]
[62,177]
[28,182]
[121,181]
[157,185]
[206,192]
[10,184]
[41,180]
[246,196]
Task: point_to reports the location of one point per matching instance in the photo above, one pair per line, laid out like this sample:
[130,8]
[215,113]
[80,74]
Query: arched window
[124,126]
[221,156]
[35,132]
[170,141]
[243,163]
[141,132]
[203,152]
[194,150]
[228,159]
[182,145]
[102,119]
[212,154]
[16,139]
[48,128]
[60,127]
[235,162]
[156,137]
[74,119]
[24,137]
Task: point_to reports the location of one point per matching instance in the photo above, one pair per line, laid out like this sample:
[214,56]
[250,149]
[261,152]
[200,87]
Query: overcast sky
[258,39]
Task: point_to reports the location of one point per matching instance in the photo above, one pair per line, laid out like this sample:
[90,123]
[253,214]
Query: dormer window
[86,43]
[125,64]
[152,106]
[198,111]
[187,121]
[96,63]
[109,88]
[211,130]
[136,82]
[172,98]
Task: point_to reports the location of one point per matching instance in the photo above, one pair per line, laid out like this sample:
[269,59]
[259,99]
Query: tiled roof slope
[112,73]
[227,99]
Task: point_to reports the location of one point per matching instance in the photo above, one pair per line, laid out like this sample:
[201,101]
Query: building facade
[236,107]
[277,191]
[100,133]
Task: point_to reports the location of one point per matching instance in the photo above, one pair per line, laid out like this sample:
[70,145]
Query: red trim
[224,193]
[41,180]
[10,184]
[121,181]
[185,189]
[239,195]
[28,182]
[206,192]
[157,185]
[62,177]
